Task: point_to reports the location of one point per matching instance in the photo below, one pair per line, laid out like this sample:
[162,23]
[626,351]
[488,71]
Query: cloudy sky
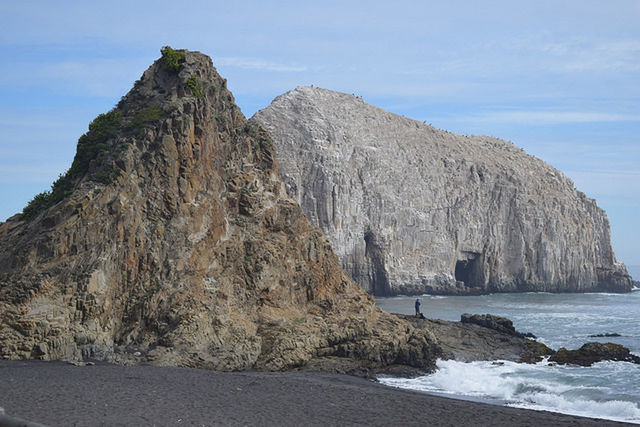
[559,78]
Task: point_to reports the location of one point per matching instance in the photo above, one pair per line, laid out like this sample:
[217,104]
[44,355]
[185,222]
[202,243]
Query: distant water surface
[606,390]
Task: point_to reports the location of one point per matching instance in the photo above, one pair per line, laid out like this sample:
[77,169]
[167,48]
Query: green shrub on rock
[146,116]
[37,204]
[91,145]
[171,58]
[196,88]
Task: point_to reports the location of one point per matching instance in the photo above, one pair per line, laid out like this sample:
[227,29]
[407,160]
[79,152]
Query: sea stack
[171,241]
[411,209]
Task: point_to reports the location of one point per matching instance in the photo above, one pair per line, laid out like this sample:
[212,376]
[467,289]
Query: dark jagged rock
[493,338]
[593,352]
[608,335]
[488,337]
[170,242]
[497,323]
[534,351]
[410,209]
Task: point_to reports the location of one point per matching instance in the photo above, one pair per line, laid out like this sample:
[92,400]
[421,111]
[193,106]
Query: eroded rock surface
[174,243]
[488,337]
[593,352]
[411,209]
[468,341]
[497,323]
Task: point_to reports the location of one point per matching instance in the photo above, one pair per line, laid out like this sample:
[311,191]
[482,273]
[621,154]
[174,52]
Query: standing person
[417,307]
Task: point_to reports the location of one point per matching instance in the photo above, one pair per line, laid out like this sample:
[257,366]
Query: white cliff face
[410,209]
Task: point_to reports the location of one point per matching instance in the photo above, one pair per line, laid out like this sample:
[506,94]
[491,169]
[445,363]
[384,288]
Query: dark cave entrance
[468,270]
[378,279]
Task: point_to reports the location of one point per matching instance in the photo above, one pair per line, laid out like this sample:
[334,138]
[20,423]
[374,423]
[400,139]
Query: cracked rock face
[411,209]
[174,243]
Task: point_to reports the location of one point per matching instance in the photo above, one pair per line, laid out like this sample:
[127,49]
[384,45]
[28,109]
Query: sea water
[608,390]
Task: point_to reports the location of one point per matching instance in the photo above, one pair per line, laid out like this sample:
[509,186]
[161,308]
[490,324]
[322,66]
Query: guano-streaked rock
[410,209]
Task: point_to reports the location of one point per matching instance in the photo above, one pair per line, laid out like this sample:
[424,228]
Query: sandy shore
[60,394]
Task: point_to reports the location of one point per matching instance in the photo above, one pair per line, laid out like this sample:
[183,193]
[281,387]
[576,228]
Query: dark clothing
[417,307]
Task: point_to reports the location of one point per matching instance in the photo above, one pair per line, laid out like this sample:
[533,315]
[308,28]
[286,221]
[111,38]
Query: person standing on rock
[418,307]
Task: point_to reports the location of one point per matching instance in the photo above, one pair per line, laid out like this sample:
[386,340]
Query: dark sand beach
[60,394]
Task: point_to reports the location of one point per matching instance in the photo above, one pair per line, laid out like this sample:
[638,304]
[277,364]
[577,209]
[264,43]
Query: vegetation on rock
[94,142]
[171,58]
[40,202]
[196,88]
[90,146]
[145,116]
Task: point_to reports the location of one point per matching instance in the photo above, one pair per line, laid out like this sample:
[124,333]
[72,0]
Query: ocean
[609,390]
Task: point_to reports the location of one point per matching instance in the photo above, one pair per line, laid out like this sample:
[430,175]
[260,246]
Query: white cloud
[580,55]
[36,174]
[256,64]
[607,183]
[550,117]
[91,77]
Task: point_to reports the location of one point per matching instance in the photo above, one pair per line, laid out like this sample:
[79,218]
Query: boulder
[497,323]
[593,352]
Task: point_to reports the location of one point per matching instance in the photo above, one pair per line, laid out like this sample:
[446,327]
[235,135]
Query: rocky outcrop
[497,323]
[411,209]
[593,352]
[489,337]
[481,337]
[171,241]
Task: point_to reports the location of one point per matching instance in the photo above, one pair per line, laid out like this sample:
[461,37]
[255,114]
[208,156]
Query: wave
[614,410]
[606,294]
[569,390]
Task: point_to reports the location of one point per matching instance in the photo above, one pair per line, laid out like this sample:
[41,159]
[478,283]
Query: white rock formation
[409,208]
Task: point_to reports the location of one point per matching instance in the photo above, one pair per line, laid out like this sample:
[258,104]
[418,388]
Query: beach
[61,394]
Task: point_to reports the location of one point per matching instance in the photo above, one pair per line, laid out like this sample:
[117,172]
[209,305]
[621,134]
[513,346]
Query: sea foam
[569,390]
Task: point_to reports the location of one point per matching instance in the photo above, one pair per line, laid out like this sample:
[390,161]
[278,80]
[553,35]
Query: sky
[560,79]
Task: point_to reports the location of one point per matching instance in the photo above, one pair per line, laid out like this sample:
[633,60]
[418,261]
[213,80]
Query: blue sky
[559,78]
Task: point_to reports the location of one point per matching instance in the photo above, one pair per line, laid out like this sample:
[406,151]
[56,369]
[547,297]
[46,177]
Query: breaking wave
[597,392]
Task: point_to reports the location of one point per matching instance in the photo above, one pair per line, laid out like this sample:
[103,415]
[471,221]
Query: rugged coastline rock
[607,335]
[481,337]
[171,241]
[497,323]
[593,352]
[411,209]
[488,337]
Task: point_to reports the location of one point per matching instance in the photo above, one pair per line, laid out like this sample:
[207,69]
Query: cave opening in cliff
[378,273]
[465,271]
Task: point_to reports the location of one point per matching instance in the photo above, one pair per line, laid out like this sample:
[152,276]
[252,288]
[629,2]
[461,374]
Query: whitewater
[609,390]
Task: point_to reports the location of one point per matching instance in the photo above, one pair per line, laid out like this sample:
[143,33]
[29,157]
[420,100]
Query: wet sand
[60,394]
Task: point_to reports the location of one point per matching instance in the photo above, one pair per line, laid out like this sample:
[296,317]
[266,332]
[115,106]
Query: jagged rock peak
[411,209]
[170,241]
